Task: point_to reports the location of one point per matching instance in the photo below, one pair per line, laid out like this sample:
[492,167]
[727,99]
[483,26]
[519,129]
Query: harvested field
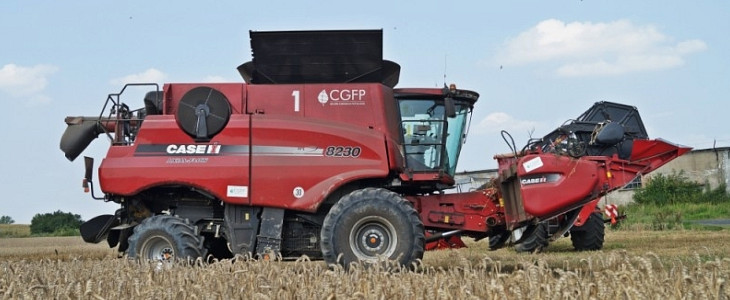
[656,265]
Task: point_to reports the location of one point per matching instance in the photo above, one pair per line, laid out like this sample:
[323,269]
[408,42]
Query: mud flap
[97,229]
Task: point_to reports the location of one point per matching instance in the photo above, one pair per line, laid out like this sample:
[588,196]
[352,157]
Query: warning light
[85,185]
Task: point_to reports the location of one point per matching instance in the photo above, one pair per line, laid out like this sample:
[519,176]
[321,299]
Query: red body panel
[552,183]
[290,155]
[473,211]
[585,212]
[545,185]
[128,170]
[285,146]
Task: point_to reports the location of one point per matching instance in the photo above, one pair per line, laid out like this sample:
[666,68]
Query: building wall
[469,181]
[706,166]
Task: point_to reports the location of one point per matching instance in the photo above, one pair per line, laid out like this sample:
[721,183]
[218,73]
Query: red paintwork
[586,178]
[428,177]
[452,242]
[465,211]
[123,173]
[585,212]
[274,177]
[576,182]
[278,149]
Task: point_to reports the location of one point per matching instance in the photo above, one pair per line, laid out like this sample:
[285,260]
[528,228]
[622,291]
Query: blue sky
[535,64]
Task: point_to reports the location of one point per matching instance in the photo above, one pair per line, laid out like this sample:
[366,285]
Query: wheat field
[635,265]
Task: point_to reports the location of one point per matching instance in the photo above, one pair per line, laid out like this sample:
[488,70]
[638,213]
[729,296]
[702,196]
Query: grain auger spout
[116,120]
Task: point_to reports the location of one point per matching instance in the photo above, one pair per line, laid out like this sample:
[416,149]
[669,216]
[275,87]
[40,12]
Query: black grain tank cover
[587,131]
[332,56]
[627,116]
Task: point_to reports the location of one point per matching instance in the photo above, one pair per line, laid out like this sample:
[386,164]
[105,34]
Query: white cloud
[497,121]
[150,75]
[20,81]
[585,48]
[39,100]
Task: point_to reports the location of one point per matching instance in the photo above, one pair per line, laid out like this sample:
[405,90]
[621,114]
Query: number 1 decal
[295,94]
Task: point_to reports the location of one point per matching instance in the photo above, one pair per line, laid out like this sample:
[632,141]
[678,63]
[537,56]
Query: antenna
[445,60]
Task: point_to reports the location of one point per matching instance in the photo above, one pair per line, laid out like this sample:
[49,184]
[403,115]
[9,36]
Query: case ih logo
[193,149]
[342,97]
[528,181]
[540,179]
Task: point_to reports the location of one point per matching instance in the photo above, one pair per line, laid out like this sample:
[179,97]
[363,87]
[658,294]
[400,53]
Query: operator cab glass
[432,140]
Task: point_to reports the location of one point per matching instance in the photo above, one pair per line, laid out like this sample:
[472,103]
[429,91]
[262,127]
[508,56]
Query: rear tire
[591,235]
[371,223]
[537,241]
[165,238]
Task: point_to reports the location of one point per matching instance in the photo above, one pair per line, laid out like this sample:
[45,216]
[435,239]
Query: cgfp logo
[323,98]
[342,97]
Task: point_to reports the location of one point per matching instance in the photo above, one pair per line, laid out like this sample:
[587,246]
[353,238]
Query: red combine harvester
[318,154]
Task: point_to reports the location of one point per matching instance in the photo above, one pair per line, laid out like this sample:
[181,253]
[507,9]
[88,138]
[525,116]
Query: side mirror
[89,165]
[449,107]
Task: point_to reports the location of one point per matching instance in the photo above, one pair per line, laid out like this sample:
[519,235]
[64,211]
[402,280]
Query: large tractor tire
[590,236]
[369,224]
[165,237]
[536,241]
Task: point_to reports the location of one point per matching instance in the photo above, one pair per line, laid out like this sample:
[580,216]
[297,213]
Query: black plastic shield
[97,229]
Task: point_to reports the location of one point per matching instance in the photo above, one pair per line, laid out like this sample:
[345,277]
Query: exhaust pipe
[79,134]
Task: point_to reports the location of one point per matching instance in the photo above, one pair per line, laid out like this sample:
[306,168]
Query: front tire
[371,223]
[498,241]
[590,236]
[165,238]
[536,241]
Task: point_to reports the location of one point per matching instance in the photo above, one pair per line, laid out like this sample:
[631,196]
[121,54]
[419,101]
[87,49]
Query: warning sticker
[237,191]
[532,164]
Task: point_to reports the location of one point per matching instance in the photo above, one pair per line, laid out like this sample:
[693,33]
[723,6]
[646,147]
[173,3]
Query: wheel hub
[166,254]
[157,248]
[372,237]
[373,240]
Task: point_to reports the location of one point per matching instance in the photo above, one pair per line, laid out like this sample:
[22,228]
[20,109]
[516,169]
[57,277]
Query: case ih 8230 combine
[318,154]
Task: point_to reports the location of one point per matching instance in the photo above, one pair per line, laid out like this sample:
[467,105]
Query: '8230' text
[342,151]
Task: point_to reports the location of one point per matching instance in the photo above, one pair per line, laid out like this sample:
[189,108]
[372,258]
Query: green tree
[6,220]
[58,222]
